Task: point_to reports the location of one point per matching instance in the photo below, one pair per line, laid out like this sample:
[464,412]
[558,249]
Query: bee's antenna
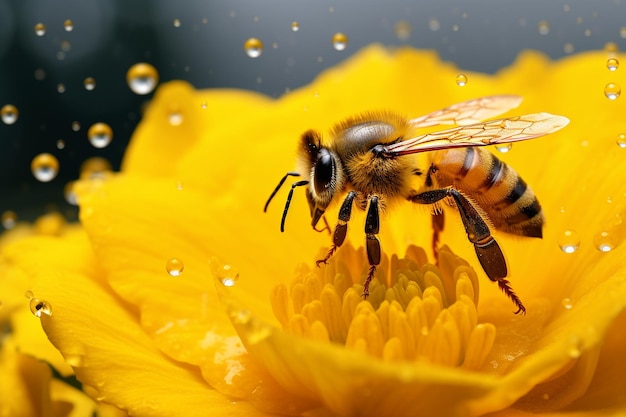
[280,184]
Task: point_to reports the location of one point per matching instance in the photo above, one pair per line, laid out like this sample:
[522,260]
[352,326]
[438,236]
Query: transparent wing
[468,112]
[511,129]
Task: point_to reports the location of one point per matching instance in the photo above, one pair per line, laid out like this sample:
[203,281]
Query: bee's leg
[372,244]
[326,226]
[437,220]
[288,202]
[341,229]
[487,249]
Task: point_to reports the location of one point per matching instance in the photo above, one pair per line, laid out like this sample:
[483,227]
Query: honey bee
[370,161]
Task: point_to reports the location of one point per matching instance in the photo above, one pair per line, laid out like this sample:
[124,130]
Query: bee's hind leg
[339,235]
[372,244]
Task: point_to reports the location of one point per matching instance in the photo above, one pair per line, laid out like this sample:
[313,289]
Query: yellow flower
[285,337]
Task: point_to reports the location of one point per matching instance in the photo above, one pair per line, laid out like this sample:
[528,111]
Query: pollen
[416,311]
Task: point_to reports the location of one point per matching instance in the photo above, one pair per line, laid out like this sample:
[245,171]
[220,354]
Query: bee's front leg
[372,244]
[339,235]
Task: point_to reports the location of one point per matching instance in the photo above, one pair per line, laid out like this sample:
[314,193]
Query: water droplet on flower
[567,303]
[340,41]
[402,29]
[612,91]
[100,135]
[621,140]
[29,294]
[433,24]
[461,80]
[504,147]
[175,119]
[543,27]
[95,167]
[295,26]
[612,64]
[68,25]
[176,23]
[142,78]
[40,29]
[604,241]
[89,83]
[569,241]
[40,307]
[227,275]
[203,105]
[44,167]
[74,360]
[174,267]
[253,47]
[9,219]
[9,114]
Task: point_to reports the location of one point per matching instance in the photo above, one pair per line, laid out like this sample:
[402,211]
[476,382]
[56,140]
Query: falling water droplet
[461,80]
[295,26]
[44,167]
[142,78]
[40,29]
[40,307]
[75,126]
[612,91]
[612,64]
[89,83]
[9,114]
[543,27]
[68,25]
[569,241]
[253,47]
[100,135]
[340,41]
[174,267]
[604,241]
[621,140]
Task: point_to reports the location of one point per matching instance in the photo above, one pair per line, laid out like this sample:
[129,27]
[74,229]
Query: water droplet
[611,47]
[95,167]
[44,167]
[203,105]
[40,74]
[68,25]
[295,26]
[9,219]
[621,140]
[612,91]
[402,29]
[612,64]
[69,194]
[461,80]
[433,24]
[60,144]
[253,47]
[61,88]
[622,32]
[227,275]
[567,303]
[604,241]
[504,147]
[66,46]
[174,267]
[28,294]
[9,114]
[89,83]
[340,41]
[142,78]
[75,126]
[74,361]
[176,23]
[569,241]
[175,119]
[40,29]
[568,48]
[40,307]
[543,27]
[100,135]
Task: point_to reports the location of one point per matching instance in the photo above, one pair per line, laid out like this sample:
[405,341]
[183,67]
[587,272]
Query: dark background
[206,48]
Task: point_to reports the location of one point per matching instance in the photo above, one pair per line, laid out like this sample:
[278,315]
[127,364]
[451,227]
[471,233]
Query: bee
[373,159]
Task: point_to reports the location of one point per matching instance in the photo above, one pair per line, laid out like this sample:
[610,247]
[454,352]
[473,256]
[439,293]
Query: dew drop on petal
[100,135]
[89,83]
[569,241]
[142,78]
[227,275]
[175,118]
[612,64]
[8,219]
[461,80]
[40,29]
[44,167]
[612,91]
[203,105]
[567,303]
[340,41]
[9,114]
[402,29]
[504,147]
[68,25]
[40,307]
[543,27]
[174,267]
[604,241]
[295,26]
[253,47]
[621,140]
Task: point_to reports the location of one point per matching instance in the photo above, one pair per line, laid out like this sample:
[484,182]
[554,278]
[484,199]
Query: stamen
[415,312]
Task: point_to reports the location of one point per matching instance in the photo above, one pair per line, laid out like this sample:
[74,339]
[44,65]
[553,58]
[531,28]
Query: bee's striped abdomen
[505,197]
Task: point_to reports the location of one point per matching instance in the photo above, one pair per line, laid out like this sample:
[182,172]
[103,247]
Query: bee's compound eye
[324,171]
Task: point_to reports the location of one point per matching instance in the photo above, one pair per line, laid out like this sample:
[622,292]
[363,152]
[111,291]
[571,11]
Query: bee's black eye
[324,174]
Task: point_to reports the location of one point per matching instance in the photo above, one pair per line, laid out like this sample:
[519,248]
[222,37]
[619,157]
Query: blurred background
[64,64]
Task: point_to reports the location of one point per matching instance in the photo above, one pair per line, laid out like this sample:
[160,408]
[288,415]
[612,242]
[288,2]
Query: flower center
[416,311]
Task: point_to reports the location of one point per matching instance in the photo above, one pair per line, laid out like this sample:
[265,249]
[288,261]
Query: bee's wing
[511,129]
[468,112]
